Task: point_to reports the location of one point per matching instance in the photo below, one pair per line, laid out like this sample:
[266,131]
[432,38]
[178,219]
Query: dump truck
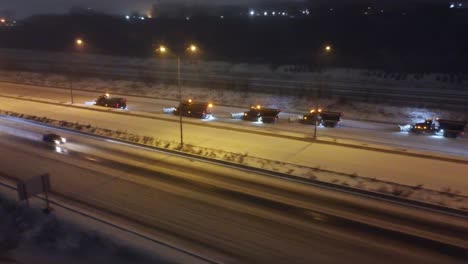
[108,101]
[320,117]
[190,108]
[437,126]
[260,114]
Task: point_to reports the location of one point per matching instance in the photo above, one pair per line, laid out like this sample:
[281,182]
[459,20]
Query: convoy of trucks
[316,116]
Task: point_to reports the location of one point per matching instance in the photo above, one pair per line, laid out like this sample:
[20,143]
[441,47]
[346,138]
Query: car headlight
[64,140]
[56,141]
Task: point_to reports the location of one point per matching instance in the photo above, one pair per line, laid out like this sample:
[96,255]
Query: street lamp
[192,49]
[79,44]
[327,49]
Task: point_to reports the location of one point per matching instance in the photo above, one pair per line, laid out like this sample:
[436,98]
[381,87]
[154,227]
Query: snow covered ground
[27,235]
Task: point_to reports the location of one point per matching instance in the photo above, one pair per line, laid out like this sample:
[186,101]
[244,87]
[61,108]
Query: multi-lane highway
[368,132]
[434,174]
[230,215]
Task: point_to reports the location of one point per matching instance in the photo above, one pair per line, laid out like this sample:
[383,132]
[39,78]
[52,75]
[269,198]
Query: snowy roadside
[382,112]
[75,233]
[29,236]
[448,197]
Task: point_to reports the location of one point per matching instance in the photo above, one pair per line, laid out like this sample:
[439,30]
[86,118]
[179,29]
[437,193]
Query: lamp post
[79,44]
[326,50]
[192,49]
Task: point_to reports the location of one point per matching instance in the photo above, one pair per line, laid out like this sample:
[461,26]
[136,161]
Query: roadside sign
[34,186]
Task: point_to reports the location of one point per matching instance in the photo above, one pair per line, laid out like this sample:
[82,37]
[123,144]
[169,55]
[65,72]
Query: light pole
[192,49]
[79,44]
[326,50]
[316,119]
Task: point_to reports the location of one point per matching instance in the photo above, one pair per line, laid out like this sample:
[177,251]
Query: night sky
[23,8]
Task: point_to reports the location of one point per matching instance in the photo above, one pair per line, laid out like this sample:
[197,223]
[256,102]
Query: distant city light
[3,20]
[142,18]
[273,13]
[187,18]
[252,12]
[127,17]
[221,17]
[265,13]
[452,5]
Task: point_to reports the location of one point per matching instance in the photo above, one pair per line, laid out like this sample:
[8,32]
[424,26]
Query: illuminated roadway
[434,174]
[230,215]
[350,129]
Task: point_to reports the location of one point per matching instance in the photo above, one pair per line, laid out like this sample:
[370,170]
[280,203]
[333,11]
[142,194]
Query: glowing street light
[328,48]
[79,42]
[162,49]
[192,48]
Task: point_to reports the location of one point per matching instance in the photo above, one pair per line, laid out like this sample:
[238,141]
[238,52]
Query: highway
[367,132]
[231,215]
[433,174]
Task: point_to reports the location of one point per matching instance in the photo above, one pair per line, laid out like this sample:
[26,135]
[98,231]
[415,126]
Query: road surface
[433,174]
[369,132]
[230,215]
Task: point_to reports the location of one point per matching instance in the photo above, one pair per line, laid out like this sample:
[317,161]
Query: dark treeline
[427,40]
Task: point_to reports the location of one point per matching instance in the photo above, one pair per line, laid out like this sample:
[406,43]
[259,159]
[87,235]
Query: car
[53,138]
